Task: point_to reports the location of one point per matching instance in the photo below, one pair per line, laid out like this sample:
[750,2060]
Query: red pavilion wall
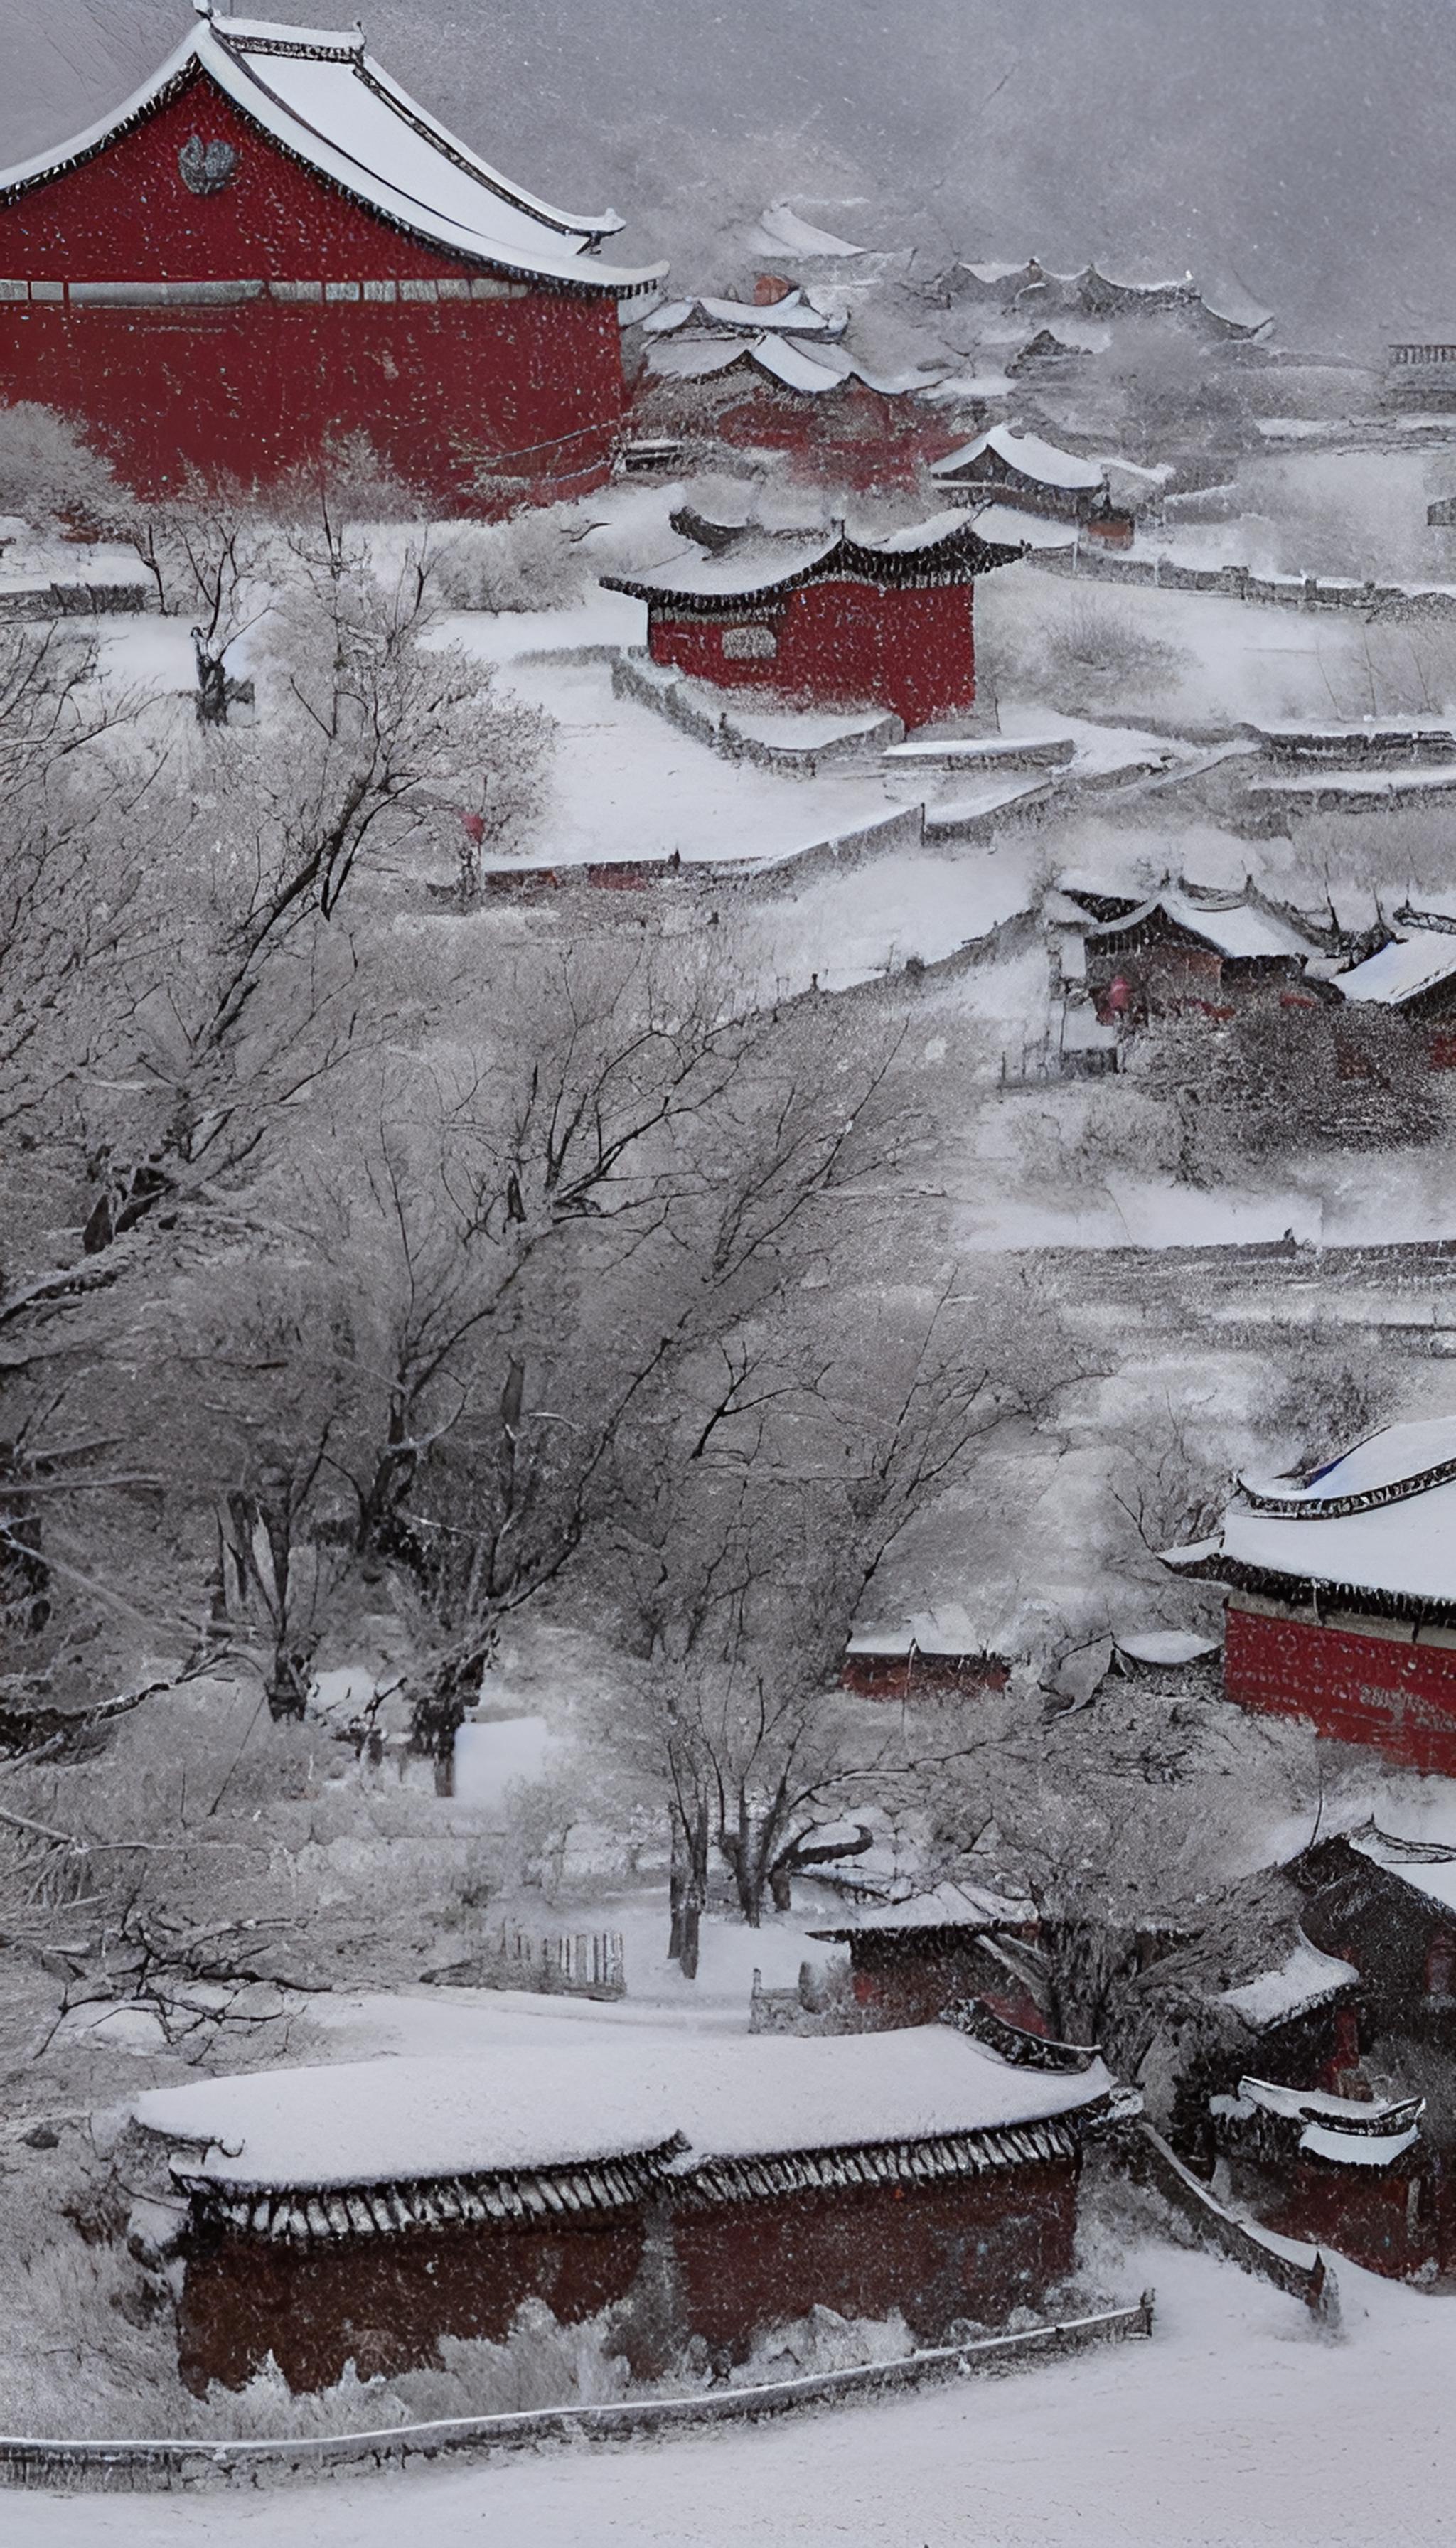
[1396,1696]
[529,386]
[840,644]
[976,2248]
[384,2303]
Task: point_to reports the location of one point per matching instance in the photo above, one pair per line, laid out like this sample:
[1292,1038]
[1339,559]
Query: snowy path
[1236,2427]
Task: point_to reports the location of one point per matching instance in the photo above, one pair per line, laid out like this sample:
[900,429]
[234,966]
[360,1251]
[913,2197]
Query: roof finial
[204,9]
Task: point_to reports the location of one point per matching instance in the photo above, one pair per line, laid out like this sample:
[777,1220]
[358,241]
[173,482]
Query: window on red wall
[749,645]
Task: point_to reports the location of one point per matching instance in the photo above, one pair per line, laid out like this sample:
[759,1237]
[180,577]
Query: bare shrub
[533,561]
[1098,654]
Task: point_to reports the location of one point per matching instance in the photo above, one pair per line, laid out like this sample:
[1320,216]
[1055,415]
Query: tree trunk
[688,1886]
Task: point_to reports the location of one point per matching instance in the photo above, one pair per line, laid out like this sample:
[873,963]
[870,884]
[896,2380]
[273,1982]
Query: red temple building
[270,246]
[821,620]
[361,2213]
[1343,1594]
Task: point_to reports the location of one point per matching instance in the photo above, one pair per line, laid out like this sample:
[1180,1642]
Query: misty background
[1303,152]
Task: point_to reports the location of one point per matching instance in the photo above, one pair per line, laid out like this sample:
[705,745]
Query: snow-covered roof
[1338,2129]
[1438,779]
[754,565]
[1317,2105]
[667,318]
[1035,460]
[946,1631]
[1237,307]
[1401,1550]
[1009,528]
[948,547]
[1414,962]
[1303,1981]
[991,271]
[793,316]
[1431,1872]
[948,1906]
[395,2121]
[788,363]
[695,358]
[1395,1463]
[1139,276]
[1241,930]
[1166,1646]
[1357,2149]
[331,105]
[786,228]
[1377,729]
[1379,1520]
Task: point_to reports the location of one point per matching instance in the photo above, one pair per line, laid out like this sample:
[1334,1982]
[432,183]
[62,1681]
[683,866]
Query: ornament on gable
[207,167]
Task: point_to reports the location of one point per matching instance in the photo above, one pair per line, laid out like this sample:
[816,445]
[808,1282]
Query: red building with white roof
[1343,1594]
[362,2211]
[271,244]
[822,619]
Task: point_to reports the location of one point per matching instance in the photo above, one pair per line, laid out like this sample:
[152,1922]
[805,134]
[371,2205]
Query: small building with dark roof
[1021,468]
[360,2213]
[825,619]
[1176,951]
[937,1654]
[913,1959]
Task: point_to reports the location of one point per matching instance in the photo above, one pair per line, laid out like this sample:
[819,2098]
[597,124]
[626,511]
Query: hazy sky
[1305,149]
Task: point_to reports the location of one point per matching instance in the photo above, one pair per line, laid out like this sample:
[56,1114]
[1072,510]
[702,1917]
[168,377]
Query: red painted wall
[973,2249]
[1398,1698]
[843,645]
[384,2303]
[531,386]
[915,1989]
[922,1675]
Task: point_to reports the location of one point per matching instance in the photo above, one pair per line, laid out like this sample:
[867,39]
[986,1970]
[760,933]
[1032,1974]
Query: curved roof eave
[583,225]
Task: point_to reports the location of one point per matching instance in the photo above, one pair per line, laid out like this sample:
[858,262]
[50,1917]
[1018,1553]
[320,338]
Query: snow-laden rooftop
[1357,2149]
[1029,455]
[1404,1549]
[1166,1646]
[1241,930]
[786,228]
[1302,1981]
[948,1630]
[1414,962]
[1434,1876]
[406,2120]
[789,364]
[948,1906]
[793,315]
[1313,2105]
[1397,1455]
[324,98]
[1006,527]
[752,565]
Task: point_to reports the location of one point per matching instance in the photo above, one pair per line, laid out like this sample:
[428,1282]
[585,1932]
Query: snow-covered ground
[1237,2426]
